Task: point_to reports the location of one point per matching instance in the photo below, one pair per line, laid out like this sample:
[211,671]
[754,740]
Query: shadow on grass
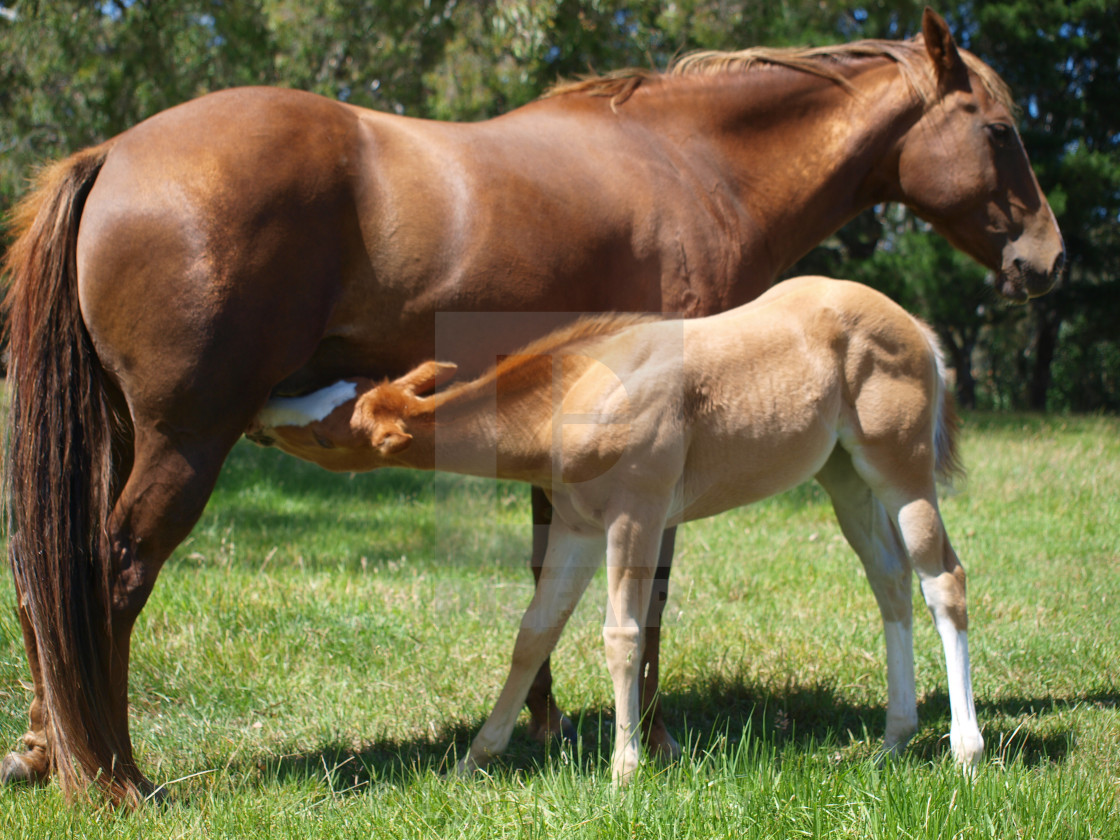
[250,466]
[709,718]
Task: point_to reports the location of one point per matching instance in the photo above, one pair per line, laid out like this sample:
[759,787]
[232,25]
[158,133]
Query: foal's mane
[826,62]
[523,368]
[525,365]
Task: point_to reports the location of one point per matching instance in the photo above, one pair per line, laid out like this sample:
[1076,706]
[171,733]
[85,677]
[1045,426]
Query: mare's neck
[801,154]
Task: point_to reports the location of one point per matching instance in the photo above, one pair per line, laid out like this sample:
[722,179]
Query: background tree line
[74,73]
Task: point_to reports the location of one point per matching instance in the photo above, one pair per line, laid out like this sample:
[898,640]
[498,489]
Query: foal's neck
[497,426]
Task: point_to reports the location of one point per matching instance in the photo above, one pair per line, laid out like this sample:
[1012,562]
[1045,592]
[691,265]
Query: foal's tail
[946,423]
[60,483]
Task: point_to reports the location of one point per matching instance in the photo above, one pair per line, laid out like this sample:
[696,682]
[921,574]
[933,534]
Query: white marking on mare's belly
[302,411]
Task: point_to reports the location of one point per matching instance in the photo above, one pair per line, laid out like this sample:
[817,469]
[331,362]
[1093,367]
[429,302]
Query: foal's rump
[777,383]
[902,413]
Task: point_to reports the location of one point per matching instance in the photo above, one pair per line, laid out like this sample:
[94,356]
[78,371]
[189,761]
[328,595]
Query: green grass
[322,646]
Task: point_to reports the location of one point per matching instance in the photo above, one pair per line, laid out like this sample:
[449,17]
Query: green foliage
[73,72]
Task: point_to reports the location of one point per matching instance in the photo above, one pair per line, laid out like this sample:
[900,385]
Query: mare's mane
[826,62]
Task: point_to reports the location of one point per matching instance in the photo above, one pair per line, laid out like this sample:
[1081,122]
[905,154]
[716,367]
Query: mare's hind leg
[172,476]
[872,535]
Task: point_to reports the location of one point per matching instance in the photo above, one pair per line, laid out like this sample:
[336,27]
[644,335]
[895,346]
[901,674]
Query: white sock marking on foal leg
[965,739]
[902,701]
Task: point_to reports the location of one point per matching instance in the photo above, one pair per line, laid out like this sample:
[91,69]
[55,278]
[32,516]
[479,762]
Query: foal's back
[770,388]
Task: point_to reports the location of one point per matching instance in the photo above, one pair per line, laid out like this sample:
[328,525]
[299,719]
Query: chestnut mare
[632,427]
[258,242]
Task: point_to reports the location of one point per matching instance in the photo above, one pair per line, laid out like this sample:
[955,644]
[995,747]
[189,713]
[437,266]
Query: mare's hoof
[662,746]
[17,770]
[563,730]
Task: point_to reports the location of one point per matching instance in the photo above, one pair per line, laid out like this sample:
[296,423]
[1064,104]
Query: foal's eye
[1002,134]
[322,441]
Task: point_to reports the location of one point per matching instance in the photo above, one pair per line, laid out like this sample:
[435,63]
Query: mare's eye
[1002,134]
[322,441]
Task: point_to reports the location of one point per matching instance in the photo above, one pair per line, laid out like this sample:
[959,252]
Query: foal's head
[352,426]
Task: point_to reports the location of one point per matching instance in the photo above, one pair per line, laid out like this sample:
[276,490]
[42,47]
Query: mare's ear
[952,73]
[426,377]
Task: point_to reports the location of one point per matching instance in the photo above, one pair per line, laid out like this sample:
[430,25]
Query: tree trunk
[960,355]
[1047,323]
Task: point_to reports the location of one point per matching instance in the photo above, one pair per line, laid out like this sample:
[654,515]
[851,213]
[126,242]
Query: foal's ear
[952,74]
[426,377]
[390,441]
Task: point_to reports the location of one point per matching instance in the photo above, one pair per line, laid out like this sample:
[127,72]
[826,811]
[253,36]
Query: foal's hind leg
[943,585]
[872,535]
[547,720]
[568,566]
[634,531]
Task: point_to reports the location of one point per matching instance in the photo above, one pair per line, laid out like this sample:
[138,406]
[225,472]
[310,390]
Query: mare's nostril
[1059,265]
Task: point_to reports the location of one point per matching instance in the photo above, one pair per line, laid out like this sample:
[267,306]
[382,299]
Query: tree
[73,73]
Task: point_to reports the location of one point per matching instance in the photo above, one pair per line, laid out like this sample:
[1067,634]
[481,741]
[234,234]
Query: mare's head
[355,425]
[962,167]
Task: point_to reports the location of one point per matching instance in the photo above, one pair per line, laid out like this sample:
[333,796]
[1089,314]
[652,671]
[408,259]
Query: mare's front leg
[658,740]
[633,544]
[568,566]
[546,720]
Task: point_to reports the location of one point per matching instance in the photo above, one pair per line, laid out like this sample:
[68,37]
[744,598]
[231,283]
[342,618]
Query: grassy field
[322,646]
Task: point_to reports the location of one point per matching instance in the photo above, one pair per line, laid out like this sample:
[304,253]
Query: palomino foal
[633,425]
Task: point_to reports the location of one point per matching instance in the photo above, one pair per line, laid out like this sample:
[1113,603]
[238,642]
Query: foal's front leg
[869,531]
[633,545]
[568,566]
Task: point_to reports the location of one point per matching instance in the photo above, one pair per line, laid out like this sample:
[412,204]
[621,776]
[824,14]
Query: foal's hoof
[968,750]
[17,770]
[562,730]
[466,767]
